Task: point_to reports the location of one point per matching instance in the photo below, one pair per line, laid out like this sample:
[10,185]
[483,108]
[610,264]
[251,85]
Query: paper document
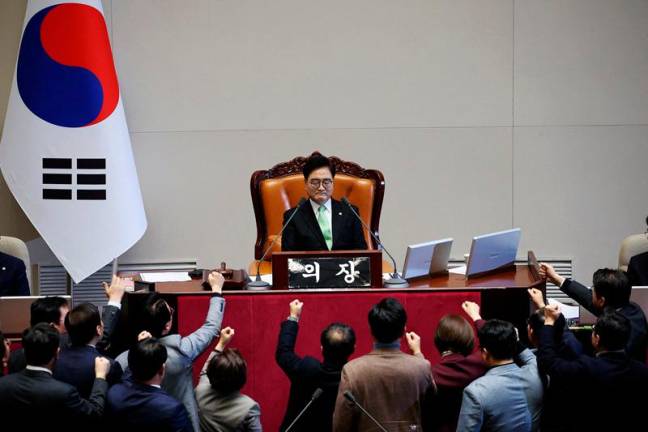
[458,270]
[568,311]
[165,277]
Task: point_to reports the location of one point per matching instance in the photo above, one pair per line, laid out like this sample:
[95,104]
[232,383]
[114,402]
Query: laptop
[427,258]
[639,295]
[493,251]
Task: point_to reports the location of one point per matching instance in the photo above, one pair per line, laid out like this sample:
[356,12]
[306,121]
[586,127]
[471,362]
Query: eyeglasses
[316,183]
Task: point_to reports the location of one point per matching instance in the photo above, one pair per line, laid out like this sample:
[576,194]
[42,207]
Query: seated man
[38,401]
[610,291]
[308,374]
[139,403]
[638,267]
[614,385]
[321,223]
[13,276]
[393,386]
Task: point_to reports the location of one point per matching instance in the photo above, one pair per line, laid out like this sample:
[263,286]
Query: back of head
[316,161]
[156,314]
[47,310]
[227,372]
[454,333]
[387,320]
[613,330]
[146,358]
[499,338]
[614,285]
[40,343]
[338,343]
[81,323]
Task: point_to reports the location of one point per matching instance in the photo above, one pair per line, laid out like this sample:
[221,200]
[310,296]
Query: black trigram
[90,179]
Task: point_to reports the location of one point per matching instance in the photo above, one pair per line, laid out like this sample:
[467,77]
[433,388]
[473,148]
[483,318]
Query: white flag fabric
[65,151]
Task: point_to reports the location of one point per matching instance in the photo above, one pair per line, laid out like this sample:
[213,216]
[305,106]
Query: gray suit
[181,352]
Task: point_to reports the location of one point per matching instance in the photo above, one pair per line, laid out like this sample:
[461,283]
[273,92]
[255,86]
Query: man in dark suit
[40,402]
[13,276]
[614,384]
[139,403]
[308,374]
[322,223]
[611,290]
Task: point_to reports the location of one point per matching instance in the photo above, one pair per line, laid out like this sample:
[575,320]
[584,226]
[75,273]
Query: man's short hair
[47,310]
[146,358]
[613,330]
[387,320]
[227,372]
[612,284]
[454,333]
[338,342]
[499,338]
[156,314]
[81,323]
[40,343]
[316,161]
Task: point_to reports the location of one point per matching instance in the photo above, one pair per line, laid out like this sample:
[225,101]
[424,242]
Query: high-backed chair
[281,187]
[631,246]
[15,247]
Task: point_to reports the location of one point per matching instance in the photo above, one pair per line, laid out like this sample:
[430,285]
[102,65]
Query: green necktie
[323,222]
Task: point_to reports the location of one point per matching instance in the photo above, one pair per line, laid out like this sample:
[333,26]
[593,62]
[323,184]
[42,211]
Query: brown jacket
[391,385]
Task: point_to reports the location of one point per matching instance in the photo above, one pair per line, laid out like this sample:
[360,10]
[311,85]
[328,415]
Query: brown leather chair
[281,187]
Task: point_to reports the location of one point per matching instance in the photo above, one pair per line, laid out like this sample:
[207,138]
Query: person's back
[13,276]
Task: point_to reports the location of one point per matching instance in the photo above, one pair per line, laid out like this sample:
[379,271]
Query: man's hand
[552,312]
[216,281]
[296,308]
[114,291]
[536,297]
[226,336]
[143,335]
[547,271]
[472,310]
[414,342]
[102,366]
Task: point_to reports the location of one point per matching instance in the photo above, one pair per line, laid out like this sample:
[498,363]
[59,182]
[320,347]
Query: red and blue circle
[65,73]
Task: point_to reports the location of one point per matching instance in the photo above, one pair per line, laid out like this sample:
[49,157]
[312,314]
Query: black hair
[156,314]
[499,338]
[81,323]
[146,358]
[40,343]
[613,330]
[387,320]
[613,285]
[316,161]
[338,342]
[47,310]
[227,372]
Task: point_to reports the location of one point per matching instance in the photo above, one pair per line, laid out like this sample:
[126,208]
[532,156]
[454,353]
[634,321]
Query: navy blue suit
[13,276]
[134,406]
[638,270]
[76,366]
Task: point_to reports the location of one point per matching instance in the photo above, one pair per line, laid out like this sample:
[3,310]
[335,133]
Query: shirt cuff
[114,303]
[292,318]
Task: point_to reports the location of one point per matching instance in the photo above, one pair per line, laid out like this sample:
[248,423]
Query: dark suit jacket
[636,347]
[13,276]
[611,387]
[638,270]
[37,401]
[76,366]
[303,232]
[134,406]
[306,374]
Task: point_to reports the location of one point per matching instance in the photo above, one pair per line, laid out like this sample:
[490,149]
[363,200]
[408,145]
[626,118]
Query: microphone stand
[348,396]
[317,393]
[257,283]
[395,280]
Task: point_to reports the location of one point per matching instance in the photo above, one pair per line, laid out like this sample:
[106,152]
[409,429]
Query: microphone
[259,284]
[348,396]
[395,281]
[317,393]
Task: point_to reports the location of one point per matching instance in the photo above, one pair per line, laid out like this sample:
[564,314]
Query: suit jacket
[638,270]
[13,276]
[76,366]
[636,346]
[181,353]
[138,407]
[306,374]
[304,233]
[393,386]
[39,402]
[612,386]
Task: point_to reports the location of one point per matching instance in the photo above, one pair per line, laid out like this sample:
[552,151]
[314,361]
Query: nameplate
[329,272]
